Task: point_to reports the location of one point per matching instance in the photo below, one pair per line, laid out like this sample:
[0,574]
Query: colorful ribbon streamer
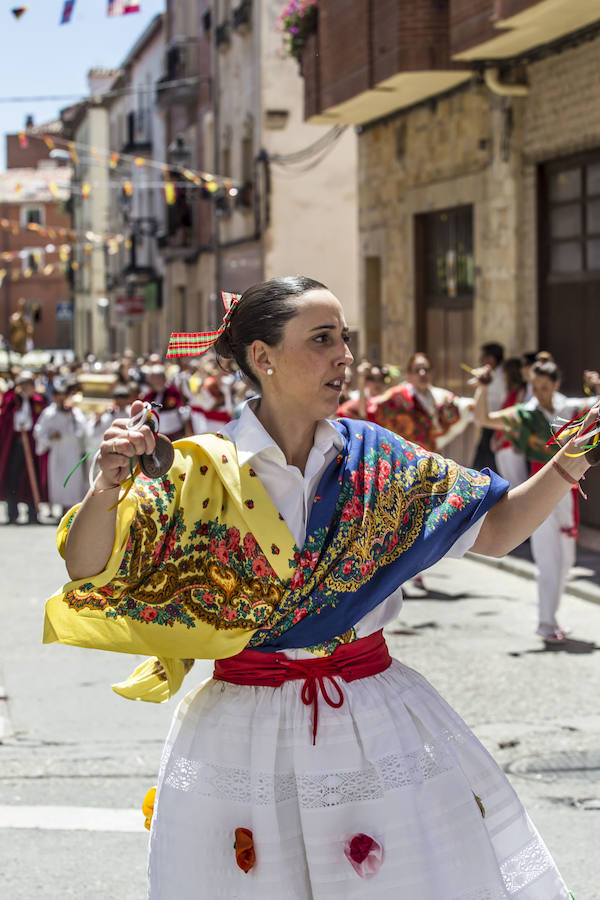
[197,343]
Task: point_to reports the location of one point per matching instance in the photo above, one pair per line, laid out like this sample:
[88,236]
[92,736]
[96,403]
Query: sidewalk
[585,576]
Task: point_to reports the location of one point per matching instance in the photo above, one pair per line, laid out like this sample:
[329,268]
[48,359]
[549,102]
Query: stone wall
[453,152]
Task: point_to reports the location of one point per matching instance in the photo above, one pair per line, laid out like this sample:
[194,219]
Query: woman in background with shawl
[312,764]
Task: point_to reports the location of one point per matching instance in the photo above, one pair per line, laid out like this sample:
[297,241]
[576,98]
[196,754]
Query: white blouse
[292,493]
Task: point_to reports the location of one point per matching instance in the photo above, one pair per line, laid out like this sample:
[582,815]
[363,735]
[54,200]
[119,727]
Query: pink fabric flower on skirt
[365,855]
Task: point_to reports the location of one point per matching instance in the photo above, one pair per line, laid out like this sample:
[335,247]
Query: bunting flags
[73,152]
[49,142]
[23,142]
[169,189]
[122,7]
[86,190]
[67,12]
[18,11]
[113,161]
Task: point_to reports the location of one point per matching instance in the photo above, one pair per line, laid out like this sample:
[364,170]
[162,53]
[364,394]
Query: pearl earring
[269,371]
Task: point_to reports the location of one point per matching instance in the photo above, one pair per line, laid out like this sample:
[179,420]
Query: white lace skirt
[395,762]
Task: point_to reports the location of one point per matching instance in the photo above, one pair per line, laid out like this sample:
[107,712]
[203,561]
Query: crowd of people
[52,418]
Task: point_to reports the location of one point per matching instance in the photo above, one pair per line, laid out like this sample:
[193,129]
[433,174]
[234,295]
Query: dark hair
[547,368]
[413,357]
[261,315]
[528,359]
[495,350]
[512,373]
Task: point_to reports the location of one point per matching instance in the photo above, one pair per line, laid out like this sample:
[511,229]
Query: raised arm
[92,533]
[481,412]
[516,516]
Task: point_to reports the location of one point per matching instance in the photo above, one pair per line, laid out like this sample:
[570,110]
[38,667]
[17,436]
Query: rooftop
[30,185]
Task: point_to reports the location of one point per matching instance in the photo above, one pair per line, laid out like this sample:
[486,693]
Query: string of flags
[79,152]
[46,271]
[114,8]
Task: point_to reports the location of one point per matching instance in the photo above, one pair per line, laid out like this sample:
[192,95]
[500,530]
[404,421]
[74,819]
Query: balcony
[181,78]
[368,59]
[138,132]
[223,36]
[242,17]
[500,29]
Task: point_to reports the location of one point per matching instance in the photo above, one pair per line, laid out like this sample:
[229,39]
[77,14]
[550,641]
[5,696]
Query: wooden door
[569,279]
[444,294]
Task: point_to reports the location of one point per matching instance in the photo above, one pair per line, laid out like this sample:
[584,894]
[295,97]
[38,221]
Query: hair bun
[223,345]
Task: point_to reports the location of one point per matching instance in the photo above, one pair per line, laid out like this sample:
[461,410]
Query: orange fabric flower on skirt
[244,849]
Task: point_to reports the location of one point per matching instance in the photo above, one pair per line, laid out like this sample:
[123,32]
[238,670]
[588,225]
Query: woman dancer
[311,763]
[528,427]
[416,409]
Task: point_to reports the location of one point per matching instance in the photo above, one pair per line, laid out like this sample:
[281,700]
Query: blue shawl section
[385,509]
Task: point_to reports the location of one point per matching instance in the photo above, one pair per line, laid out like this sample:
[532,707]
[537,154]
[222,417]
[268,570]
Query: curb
[578,588]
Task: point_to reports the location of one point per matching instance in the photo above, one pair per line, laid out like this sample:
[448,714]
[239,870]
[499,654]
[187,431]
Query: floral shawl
[203,565]
[400,410]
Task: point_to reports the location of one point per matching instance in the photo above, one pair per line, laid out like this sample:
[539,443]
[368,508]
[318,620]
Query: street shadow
[569,645]
[438,594]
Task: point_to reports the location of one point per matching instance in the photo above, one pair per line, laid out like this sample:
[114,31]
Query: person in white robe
[60,431]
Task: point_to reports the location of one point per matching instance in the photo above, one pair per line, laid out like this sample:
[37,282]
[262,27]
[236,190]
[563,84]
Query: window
[573,205]
[32,215]
[32,260]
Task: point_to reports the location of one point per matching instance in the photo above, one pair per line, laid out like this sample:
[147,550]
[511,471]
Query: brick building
[479,172]
[466,112]
[35,242]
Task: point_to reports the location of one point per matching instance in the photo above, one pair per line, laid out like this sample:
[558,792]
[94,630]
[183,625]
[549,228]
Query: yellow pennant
[169,189]
[49,142]
[86,190]
[73,152]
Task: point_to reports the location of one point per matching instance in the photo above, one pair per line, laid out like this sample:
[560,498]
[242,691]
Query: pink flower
[212,546]
[222,553]
[233,539]
[260,567]
[298,579]
[347,567]
[249,544]
[364,854]
[456,501]
[148,613]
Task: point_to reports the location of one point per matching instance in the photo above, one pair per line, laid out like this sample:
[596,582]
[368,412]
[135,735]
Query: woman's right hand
[121,443]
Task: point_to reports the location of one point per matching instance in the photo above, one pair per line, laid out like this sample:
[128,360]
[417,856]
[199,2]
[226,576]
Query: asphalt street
[76,759]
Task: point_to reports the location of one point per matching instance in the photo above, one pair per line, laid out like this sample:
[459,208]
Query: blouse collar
[252,438]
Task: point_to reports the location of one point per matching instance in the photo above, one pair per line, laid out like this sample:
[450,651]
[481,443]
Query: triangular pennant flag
[86,190]
[67,12]
[53,189]
[122,7]
[18,11]
[23,139]
[169,189]
[114,160]
[49,142]
[73,152]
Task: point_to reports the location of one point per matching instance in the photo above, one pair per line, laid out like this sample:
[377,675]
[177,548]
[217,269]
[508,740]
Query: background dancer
[528,428]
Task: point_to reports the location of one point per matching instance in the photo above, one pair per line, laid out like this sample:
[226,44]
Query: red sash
[364,657]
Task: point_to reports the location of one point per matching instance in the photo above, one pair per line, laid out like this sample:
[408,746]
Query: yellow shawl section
[200,561]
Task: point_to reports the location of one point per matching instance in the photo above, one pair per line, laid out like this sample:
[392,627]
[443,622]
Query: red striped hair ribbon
[197,343]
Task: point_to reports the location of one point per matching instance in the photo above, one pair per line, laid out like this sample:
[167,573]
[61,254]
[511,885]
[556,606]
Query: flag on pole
[122,7]
[67,12]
